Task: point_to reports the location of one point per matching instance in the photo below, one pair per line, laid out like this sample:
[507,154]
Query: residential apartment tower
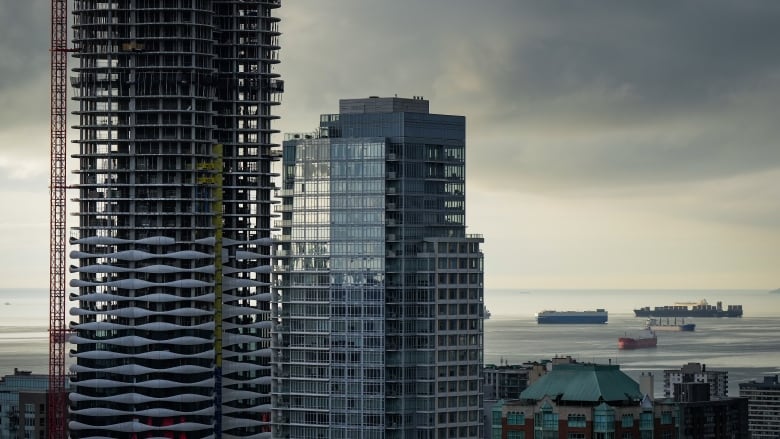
[171,242]
[763,405]
[378,289]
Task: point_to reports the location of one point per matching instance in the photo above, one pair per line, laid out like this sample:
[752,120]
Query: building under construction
[170,251]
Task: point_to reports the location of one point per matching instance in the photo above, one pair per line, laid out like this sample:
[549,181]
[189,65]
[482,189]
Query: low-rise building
[507,381]
[702,416]
[718,380]
[591,401]
[577,401]
[23,405]
[763,407]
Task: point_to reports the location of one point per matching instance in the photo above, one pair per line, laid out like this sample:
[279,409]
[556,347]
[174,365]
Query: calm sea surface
[747,347]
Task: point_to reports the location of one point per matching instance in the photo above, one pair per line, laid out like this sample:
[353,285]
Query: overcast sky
[611,144]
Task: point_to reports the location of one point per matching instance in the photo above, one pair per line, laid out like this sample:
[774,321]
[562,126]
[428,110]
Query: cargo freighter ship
[690,309]
[660,325]
[647,339]
[577,317]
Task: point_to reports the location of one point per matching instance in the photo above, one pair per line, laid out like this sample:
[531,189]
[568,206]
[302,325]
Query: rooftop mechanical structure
[170,255]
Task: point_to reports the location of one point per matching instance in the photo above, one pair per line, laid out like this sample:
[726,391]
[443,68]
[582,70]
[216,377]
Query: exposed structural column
[215,180]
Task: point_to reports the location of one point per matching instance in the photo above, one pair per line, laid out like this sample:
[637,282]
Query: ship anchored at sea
[645,339]
[598,316]
[690,309]
[658,324]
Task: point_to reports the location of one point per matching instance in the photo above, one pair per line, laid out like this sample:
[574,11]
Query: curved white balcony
[149,355]
[136,341]
[135,312]
[138,398]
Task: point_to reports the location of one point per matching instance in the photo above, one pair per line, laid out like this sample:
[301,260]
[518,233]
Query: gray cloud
[589,122]
[24,82]
[560,94]
[24,40]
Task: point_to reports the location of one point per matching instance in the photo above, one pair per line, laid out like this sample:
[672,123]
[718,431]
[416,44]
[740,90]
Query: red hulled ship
[647,339]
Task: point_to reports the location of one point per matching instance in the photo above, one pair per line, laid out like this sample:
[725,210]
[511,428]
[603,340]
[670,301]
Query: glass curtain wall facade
[171,252]
[378,289]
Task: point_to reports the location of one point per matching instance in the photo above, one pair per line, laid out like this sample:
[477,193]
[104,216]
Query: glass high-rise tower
[171,247]
[378,289]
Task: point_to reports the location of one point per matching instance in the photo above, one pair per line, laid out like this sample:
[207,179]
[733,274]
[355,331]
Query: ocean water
[748,347]
[24,324]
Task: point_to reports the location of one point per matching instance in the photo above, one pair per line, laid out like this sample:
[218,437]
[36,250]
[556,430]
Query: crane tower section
[57,411]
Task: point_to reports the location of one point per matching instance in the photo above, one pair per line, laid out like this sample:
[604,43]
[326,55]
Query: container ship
[578,317]
[690,309]
[647,339]
[669,325]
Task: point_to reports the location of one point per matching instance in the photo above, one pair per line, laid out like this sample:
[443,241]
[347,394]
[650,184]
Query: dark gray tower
[378,295]
[172,243]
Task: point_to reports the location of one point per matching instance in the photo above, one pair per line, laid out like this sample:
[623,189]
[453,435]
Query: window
[627,421]
[576,421]
[576,436]
[666,417]
[515,435]
[546,424]
[604,421]
[496,417]
[646,421]
[515,418]
[550,421]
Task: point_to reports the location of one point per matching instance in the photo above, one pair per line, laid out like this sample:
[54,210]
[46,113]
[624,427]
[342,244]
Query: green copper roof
[584,382]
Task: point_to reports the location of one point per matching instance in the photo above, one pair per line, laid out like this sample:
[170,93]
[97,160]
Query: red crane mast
[57,403]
